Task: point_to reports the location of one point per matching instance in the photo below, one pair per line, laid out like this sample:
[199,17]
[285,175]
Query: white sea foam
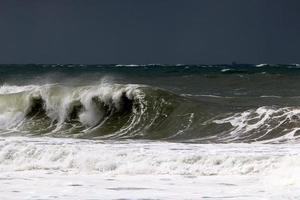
[35,168]
[225,70]
[262,65]
[10,89]
[117,158]
[128,65]
[258,123]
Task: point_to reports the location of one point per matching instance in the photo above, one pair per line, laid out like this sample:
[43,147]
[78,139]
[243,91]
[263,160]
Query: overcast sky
[150,31]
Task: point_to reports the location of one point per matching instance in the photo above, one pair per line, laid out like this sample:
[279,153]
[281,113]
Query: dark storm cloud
[144,31]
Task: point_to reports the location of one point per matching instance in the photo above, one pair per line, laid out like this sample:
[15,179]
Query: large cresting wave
[131,111]
[98,111]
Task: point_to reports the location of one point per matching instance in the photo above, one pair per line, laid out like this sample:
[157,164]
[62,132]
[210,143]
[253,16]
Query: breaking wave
[99,111]
[131,111]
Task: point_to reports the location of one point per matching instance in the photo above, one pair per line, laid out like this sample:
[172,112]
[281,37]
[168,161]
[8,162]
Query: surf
[134,111]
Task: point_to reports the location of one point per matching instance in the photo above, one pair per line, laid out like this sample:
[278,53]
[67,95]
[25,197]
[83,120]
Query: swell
[128,111]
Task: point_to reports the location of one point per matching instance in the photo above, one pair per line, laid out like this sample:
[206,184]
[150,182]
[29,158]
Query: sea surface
[150,131]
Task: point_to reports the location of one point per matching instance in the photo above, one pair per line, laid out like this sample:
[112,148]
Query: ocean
[150,131]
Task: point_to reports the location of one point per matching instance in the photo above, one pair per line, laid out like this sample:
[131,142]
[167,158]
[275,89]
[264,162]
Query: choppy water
[234,126]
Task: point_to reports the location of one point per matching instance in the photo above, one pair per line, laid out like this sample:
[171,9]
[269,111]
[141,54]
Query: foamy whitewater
[149,132]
